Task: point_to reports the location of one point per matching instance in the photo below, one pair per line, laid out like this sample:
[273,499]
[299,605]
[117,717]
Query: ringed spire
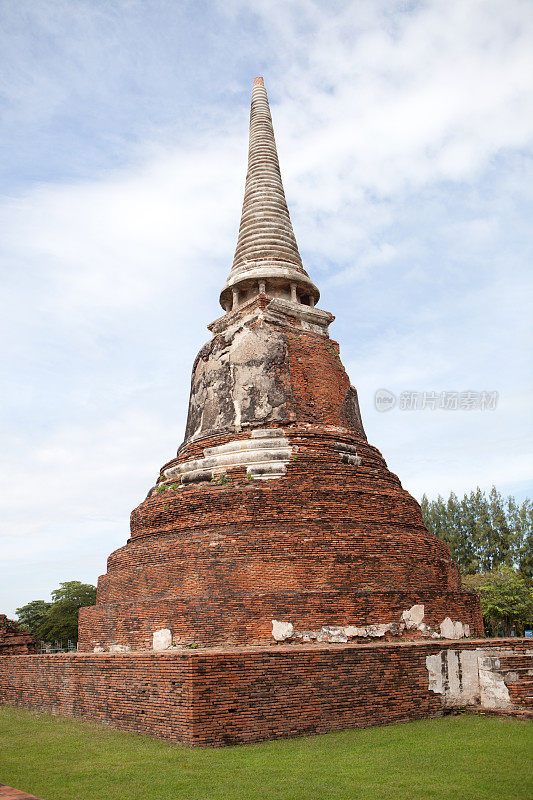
[267,253]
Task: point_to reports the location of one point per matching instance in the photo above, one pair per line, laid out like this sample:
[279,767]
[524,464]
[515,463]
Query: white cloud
[66,499]
[109,243]
[96,472]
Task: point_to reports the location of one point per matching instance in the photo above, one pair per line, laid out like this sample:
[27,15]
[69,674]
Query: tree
[505,598]
[32,615]
[483,533]
[60,619]
[522,523]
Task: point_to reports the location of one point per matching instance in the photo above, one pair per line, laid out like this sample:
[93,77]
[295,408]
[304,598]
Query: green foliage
[506,599]
[483,532]
[167,487]
[58,619]
[471,757]
[32,615]
[334,352]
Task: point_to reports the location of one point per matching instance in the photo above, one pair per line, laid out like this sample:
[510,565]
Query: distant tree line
[491,539]
[57,620]
[483,532]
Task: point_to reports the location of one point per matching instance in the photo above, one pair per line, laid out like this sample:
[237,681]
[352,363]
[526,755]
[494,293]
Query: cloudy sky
[405,135]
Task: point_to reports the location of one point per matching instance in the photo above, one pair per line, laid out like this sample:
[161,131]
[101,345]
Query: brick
[13,639]
[218,696]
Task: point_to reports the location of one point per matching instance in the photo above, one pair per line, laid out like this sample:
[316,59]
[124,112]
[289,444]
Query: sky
[404,132]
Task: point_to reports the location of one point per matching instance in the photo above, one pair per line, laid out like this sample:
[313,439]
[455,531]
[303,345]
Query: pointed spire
[265,231]
[266,247]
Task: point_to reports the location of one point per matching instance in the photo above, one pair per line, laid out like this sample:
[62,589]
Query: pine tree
[483,533]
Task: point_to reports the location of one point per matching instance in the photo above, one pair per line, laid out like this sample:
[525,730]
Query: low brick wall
[139,692]
[222,696]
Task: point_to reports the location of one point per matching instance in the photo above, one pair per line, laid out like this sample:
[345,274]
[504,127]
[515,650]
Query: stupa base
[225,696]
[248,620]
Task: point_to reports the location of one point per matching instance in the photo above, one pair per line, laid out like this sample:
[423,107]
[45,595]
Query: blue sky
[404,132]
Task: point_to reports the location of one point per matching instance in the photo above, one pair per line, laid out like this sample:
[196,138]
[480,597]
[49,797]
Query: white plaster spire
[266,247]
[266,230]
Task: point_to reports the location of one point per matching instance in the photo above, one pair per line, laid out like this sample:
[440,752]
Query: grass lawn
[465,757]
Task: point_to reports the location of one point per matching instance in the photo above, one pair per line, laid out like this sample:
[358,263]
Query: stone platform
[219,696]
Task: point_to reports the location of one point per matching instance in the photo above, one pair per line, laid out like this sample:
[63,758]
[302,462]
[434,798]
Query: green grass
[466,757]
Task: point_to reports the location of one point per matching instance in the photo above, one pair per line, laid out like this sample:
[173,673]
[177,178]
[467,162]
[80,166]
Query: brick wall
[249,620]
[13,639]
[221,696]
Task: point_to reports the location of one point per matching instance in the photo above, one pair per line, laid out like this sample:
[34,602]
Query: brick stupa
[277,518]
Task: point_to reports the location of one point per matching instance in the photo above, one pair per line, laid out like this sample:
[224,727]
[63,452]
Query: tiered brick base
[331,538]
[223,696]
[329,544]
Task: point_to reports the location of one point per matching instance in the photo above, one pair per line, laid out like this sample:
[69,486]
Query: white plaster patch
[411,619]
[459,631]
[333,635]
[434,668]
[282,630]
[451,674]
[413,616]
[99,650]
[468,660]
[378,631]
[455,675]
[264,456]
[119,648]
[162,639]
[447,628]
[493,691]
[352,631]
[453,630]
[467,677]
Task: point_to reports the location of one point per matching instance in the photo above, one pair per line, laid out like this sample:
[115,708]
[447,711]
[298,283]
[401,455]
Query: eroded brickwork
[13,639]
[276,516]
[276,506]
[327,543]
[224,696]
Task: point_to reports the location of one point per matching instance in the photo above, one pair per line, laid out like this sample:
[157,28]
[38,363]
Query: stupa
[277,519]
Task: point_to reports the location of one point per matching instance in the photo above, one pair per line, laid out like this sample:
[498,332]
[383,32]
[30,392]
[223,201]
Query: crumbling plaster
[239,378]
[470,677]
[411,620]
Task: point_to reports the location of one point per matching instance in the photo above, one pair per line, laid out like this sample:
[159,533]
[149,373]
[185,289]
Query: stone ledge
[264,455]
[279,647]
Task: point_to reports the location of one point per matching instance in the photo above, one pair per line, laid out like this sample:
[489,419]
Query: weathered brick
[327,544]
[220,696]
[13,639]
